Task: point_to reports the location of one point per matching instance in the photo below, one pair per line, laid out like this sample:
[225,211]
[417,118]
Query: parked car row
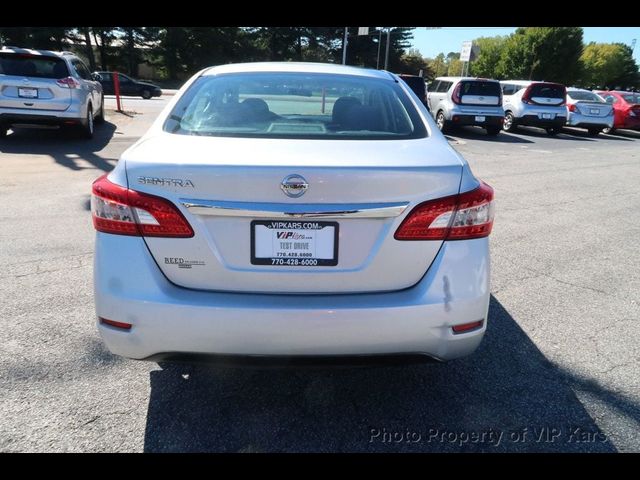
[505,105]
[56,89]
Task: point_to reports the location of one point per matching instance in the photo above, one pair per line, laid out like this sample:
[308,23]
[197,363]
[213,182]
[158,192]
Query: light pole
[344,47]
[379,43]
[386,54]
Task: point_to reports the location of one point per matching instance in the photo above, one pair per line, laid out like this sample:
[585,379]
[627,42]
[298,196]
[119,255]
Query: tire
[3,131]
[100,118]
[552,131]
[442,123]
[594,132]
[509,124]
[493,131]
[146,94]
[87,128]
[608,131]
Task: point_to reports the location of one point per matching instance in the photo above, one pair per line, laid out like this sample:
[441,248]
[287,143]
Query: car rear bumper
[489,120]
[536,121]
[20,116]
[631,123]
[584,121]
[168,320]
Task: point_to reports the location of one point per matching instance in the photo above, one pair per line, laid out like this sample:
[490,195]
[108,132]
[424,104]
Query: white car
[534,104]
[589,110]
[292,210]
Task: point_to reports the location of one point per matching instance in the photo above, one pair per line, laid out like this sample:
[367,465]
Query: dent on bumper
[129,287]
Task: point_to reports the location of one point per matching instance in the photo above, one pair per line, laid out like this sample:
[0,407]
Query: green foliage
[542,53]
[609,65]
[488,58]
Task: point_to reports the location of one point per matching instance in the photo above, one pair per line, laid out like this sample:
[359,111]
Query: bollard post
[116,88]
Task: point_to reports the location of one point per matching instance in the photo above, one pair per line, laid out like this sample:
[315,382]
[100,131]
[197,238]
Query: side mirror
[96,77]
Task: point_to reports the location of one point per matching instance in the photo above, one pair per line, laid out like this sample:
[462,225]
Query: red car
[626,109]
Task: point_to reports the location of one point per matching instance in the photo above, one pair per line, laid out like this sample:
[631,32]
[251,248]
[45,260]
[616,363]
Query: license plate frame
[547,116]
[594,111]
[292,226]
[481,118]
[22,92]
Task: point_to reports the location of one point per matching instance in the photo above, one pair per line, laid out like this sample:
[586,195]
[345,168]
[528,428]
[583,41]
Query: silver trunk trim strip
[285,210]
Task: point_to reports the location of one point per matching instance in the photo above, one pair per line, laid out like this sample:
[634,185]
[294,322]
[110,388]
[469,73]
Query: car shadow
[63,145]
[471,133]
[507,397]
[624,135]
[576,132]
[563,135]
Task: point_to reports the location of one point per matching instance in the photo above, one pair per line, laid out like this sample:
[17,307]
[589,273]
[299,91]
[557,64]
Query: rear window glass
[32,66]
[585,96]
[485,89]
[416,84]
[547,90]
[295,105]
[634,98]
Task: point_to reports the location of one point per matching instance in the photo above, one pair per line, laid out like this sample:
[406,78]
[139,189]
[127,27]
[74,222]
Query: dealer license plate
[294,243]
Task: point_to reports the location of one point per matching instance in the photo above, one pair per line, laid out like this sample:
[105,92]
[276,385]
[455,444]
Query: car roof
[31,51]
[455,79]
[298,67]
[576,89]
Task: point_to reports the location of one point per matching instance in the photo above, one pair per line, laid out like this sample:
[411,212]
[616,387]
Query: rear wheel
[552,131]
[493,131]
[146,94]
[594,132]
[443,125]
[509,124]
[3,131]
[86,128]
[608,130]
[100,117]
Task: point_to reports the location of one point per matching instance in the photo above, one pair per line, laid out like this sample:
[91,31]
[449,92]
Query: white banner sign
[363,30]
[465,53]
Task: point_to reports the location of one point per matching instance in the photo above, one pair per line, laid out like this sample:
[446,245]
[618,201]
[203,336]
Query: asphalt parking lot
[557,371]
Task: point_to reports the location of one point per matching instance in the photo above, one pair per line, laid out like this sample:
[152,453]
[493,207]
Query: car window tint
[547,90]
[81,69]
[296,105]
[480,88]
[33,66]
[584,96]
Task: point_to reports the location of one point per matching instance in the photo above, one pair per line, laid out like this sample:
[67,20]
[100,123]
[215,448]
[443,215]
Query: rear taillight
[455,96]
[458,217]
[113,323]
[573,108]
[121,211]
[68,82]
[526,96]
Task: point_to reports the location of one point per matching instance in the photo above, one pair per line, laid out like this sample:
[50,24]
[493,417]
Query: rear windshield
[632,98]
[547,90]
[480,88]
[585,96]
[32,66]
[416,84]
[295,105]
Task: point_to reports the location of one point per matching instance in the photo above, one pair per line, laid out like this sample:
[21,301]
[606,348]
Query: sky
[449,39]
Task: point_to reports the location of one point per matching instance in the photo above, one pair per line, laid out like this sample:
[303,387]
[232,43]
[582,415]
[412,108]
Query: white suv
[40,87]
[534,104]
[455,101]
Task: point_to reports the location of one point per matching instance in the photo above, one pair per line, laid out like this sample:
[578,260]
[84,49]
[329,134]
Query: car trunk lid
[229,189]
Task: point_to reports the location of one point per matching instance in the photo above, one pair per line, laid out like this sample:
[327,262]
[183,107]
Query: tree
[542,53]
[488,58]
[412,62]
[609,65]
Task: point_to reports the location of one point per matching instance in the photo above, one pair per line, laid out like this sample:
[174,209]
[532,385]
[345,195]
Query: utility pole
[344,46]
[379,43]
[386,55]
